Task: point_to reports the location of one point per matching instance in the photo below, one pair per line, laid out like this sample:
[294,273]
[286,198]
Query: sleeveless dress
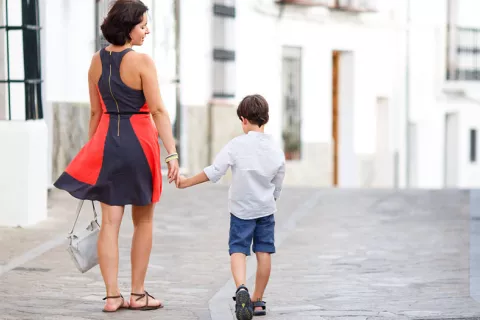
[120,165]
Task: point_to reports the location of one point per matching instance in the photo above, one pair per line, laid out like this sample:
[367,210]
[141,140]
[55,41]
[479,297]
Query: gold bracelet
[170,158]
[172,155]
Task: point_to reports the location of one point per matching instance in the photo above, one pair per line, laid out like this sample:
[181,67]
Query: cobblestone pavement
[341,254]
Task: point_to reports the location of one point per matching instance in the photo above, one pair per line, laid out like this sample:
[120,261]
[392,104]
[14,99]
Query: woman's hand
[173,171]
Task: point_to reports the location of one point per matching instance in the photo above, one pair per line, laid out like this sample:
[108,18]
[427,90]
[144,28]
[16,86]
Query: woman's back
[119,82]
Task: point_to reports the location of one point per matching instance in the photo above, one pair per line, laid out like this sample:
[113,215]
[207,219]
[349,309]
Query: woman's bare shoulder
[95,67]
[141,59]
[96,58]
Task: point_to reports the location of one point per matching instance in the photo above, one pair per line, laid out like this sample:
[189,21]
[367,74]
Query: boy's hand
[192,181]
[181,184]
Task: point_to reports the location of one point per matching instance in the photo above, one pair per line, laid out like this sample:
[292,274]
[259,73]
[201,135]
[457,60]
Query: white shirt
[258,169]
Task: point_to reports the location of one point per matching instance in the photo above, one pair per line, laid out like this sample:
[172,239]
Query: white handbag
[83,245]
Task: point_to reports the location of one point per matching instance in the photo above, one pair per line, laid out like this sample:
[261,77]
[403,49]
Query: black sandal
[259,304]
[119,307]
[243,304]
[146,307]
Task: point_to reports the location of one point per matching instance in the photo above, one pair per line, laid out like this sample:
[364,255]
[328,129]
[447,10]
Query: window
[463,41]
[463,52]
[21,75]
[291,102]
[224,53]
[473,145]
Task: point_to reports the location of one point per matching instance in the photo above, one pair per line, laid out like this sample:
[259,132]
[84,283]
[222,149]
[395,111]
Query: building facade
[444,104]
[362,93]
[329,70]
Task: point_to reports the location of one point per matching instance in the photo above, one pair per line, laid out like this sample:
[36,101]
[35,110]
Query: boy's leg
[264,265]
[238,263]
[263,246]
[240,240]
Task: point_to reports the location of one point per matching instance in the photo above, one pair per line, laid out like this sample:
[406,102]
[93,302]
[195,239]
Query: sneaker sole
[243,310]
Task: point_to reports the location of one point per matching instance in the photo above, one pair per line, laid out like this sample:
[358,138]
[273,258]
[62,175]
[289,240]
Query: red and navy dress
[120,165]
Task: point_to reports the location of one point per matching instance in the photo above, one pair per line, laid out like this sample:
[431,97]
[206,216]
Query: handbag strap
[79,209]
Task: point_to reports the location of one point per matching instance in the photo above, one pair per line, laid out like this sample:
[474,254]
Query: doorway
[451,150]
[344,159]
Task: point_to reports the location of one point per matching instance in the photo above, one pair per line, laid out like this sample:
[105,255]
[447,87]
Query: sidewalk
[341,254]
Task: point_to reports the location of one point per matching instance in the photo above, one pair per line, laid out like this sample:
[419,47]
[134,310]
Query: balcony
[307,3]
[357,6]
[463,54]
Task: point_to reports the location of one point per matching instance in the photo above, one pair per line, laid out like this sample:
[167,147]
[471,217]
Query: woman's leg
[107,247]
[140,254]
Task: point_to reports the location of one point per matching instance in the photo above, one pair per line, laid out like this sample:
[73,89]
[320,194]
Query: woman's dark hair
[121,19]
[254,108]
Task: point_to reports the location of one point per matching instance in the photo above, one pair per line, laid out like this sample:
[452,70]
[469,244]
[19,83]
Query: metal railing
[356,5]
[463,54]
[343,5]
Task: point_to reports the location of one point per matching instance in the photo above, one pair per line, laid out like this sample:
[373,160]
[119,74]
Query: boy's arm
[212,173]
[222,162]
[278,181]
[190,182]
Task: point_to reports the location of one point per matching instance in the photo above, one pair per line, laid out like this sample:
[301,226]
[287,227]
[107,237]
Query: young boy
[258,169]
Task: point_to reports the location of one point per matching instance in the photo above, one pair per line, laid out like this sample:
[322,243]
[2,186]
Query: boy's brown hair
[254,108]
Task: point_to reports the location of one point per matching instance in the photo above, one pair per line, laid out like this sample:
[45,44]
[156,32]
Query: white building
[444,94]
[335,72]
[312,60]
[35,152]
[397,88]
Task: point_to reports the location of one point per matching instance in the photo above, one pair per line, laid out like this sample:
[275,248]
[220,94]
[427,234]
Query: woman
[120,165]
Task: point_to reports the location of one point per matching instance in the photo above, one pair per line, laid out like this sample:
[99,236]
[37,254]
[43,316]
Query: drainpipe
[407,99]
[178,105]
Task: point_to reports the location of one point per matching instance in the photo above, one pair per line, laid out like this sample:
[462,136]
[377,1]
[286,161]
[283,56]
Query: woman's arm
[159,113]
[95,106]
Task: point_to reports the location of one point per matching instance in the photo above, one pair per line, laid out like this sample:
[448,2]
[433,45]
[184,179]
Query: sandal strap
[241,287]
[138,294]
[113,297]
[142,295]
[260,304]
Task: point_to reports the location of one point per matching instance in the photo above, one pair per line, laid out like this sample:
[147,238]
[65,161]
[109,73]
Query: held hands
[184,182]
[181,182]
[173,171]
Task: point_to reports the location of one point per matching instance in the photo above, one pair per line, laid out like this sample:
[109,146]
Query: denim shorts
[242,232]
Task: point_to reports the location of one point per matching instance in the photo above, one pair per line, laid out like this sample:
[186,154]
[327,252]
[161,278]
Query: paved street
[341,254]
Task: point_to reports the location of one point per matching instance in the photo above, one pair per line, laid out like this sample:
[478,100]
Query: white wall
[160,45]
[428,103]
[452,147]
[70,44]
[196,52]
[261,35]
[468,13]
[469,172]
[430,159]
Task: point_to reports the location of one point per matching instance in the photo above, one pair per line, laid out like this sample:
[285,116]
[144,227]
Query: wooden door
[335,94]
